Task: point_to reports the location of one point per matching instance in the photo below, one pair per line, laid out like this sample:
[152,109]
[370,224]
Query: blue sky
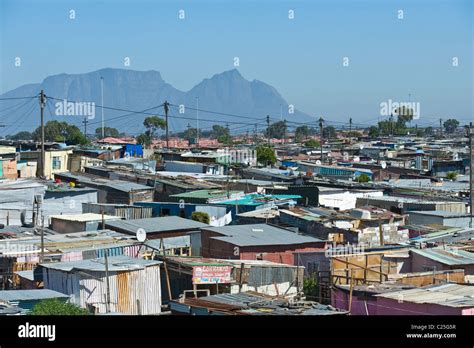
[302,58]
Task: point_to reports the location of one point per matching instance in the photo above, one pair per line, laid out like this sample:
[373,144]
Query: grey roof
[259,234]
[25,295]
[120,185]
[448,257]
[116,263]
[26,274]
[171,242]
[441,213]
[157,224]
[452,295]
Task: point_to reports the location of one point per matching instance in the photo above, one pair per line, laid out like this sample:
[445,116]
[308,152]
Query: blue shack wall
[134,150]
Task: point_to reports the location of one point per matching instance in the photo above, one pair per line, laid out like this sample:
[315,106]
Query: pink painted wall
[340,299]
[384,306]
[387,306]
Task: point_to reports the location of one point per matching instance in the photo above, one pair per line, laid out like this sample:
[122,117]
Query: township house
[256,242]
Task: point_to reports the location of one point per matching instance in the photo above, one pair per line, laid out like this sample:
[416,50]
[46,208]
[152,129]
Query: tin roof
[452,295]
[154,225]
[447,256]
[116,263]
[250,303]
[259,234]
[28,295]
[84,217]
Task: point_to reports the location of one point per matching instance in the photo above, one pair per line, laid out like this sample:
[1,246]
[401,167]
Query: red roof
[111,140]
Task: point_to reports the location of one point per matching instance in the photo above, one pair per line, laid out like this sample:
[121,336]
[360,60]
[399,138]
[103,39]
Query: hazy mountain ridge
[228,92]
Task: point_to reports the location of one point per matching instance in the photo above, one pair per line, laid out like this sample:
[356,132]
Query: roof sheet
[259,234]
[452,295]
[25,295]
[116,263]
[447,256]
[84,217]
[153,225]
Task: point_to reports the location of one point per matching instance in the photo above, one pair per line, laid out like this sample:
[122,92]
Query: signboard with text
[211,274]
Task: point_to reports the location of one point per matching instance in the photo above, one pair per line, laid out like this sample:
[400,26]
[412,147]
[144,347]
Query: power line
[19,98]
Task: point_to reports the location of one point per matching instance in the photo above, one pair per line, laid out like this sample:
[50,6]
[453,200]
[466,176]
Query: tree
[405,114]
[312,143]
[429,131]
[329,132]
[451,176]
[277,130]
[60,131]
[23,135]
[450,125]
[301,133]
[190,133]
[266,155]
[354,134]
[419,132]
[225,139]
[152,124]
[374,132]
[201,217]
[108,132]
[144,139]
[218,131]
[311,288]
[363,178]
[57,307]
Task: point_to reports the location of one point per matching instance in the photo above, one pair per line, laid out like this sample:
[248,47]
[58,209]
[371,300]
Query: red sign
[211,274]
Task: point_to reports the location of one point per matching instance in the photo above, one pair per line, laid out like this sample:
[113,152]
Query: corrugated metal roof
[26,295]
[452,295]
[259,234]
[447,256]
[116,263]
[170,242]
[120,185]
[153,225]
[84,217]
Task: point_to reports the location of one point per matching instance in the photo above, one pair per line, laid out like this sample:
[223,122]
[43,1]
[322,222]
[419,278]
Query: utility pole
[102,105]
[391,125]
[42,238]
[440,126]
[107,284]
[350,125]
[255,134]
[321,124]
[42,105]
[471,175]
[197,121]
[85,125]
[268,129]
[166,106]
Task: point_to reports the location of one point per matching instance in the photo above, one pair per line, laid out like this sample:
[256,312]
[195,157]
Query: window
[56,162]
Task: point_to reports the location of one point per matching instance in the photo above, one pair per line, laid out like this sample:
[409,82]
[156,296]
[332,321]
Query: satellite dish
[141,235]
[318,162]
[383,164]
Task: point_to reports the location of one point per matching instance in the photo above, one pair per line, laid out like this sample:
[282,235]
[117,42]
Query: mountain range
[224,98]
